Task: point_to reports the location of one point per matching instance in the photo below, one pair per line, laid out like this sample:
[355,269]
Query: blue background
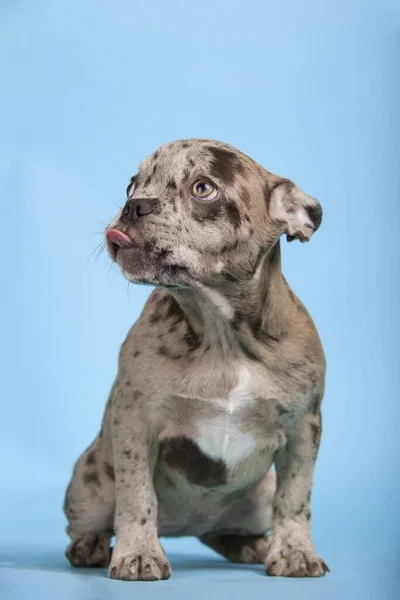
[310,90]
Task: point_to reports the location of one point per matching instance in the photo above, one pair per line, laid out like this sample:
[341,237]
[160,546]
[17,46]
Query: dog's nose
[135,208]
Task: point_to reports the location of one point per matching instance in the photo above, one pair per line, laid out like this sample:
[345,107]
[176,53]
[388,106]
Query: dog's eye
[130,186]
[204,189]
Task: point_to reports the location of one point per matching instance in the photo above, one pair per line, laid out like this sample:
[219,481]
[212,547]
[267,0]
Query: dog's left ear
[299,213]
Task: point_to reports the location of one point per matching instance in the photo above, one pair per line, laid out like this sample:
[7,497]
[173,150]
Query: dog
[213,423]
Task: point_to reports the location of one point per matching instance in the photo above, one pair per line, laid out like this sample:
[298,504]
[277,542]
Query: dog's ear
[299,213]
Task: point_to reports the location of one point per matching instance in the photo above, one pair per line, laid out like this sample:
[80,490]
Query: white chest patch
[220,437]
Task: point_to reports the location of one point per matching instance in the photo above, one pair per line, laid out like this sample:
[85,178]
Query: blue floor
[42,572]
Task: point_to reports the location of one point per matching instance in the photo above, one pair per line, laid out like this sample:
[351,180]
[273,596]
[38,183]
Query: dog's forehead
[207,156]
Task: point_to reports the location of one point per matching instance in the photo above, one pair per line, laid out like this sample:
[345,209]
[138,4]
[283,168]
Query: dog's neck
[238,315]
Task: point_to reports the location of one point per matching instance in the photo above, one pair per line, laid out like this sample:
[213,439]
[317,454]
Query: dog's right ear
[299,214]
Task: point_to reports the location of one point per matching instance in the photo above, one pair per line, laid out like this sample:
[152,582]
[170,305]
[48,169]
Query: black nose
[135,208]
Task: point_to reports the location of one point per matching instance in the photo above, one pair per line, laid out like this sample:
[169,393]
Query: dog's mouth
[118,240]
[140,262]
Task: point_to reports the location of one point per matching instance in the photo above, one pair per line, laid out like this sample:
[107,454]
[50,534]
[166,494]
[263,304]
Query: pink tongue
[118,238]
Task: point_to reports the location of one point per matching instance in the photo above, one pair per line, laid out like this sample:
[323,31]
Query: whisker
[231,274]
[99,249]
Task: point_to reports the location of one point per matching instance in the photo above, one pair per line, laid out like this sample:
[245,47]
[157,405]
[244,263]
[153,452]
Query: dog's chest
[221,434]
[212,435]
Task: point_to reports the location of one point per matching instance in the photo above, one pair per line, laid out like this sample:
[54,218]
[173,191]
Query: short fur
[221,377]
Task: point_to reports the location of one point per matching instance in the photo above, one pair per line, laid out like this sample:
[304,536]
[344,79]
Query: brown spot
[143,521]
[225,164]
[174,311]
[315,433]
[136,353]
[267,192]
[91,458]
[91,477]
[183,455]
[127,453]
[247,351]
[109,471]
[154,319]
[245,197]
[128,382]
[164,351]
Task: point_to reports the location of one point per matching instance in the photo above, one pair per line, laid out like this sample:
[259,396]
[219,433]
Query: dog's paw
[146,565]
[292,562]
[90,550]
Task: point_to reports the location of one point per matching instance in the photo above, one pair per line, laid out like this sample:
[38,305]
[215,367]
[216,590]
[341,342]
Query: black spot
[233,214]
[171,184]
[148,511]
[225,164]
[132,181]
[143,521]
[315,215]
[192,340]
[91,477]
[282,410]
[300,510]
[147,181]
[128,382]
[127,453]
[176,270]
[315,403]
[136,353]
[161,254]
[183,455]
[156,154]
[149,246]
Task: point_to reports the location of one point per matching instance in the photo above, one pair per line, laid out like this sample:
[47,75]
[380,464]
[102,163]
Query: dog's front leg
[138,554]
[291,551]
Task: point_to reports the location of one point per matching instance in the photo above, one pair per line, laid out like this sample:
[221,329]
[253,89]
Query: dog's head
[201,211]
